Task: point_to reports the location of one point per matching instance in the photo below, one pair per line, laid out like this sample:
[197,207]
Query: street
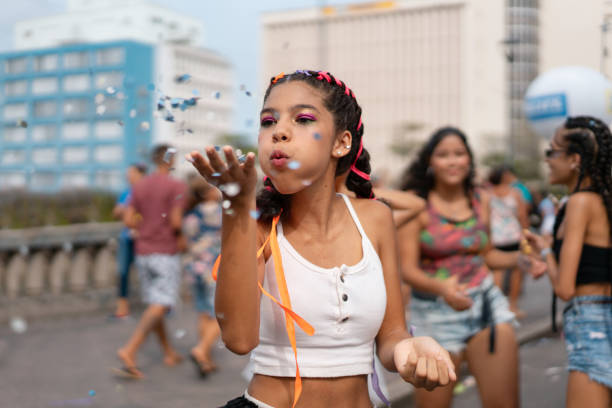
[68,363]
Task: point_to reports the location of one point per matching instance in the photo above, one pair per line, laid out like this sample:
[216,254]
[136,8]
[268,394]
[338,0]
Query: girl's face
[297,138]
[560,164]
[450,161]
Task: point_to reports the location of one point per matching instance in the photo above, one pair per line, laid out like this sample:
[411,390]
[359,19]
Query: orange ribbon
[285,302]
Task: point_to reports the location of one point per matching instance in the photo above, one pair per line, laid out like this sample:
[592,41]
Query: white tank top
[344,304]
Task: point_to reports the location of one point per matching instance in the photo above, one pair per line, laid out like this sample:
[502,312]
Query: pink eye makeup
[305,117]
[267,120]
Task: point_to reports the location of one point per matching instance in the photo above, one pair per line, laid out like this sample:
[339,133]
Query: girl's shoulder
[584,201]
[375,217]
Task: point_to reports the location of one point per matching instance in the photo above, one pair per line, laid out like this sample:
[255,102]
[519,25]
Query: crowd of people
[355,265]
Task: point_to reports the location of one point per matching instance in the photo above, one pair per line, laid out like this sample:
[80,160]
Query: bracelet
[544,253]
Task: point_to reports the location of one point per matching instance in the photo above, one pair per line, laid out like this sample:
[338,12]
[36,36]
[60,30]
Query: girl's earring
[348,146]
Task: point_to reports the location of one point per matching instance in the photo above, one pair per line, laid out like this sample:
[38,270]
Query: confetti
[180,333]
[229,212]
[242,158]
[248,93]
[120,96]
[133,113]
[216,175]
[255,214]
[216,95]
[220,316]
[99,98]
[111,90]
[163,215]
[92,393]
[195,92]
[249,122]
[294,165]
[120,123]
[100,110]
[276,115]
[189,159]
[317,136]
[230,189]
[181,79]
[178,197]
[169,155]
[226,204]
[218,148]
[18,325]
[306,182]
[22,123]
[145,126]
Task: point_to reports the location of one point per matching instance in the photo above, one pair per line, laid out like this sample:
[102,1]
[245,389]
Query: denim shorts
[203,295]
[587,325]
[453,329]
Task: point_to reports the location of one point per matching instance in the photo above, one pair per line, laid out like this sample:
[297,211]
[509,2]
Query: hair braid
[592,140]
[340,100]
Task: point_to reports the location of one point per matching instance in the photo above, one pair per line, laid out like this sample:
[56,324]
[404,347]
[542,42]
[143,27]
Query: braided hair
[591,139]
[419,177]
[342,104]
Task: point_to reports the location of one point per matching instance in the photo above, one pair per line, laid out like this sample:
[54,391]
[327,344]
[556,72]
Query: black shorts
[240,402]
[509,247]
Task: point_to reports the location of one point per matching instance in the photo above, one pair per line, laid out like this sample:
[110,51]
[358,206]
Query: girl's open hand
[422,362]
[239,179]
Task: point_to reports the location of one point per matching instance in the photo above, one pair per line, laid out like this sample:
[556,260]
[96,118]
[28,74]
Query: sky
[231,27]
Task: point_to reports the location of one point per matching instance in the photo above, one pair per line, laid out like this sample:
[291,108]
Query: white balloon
[567,91]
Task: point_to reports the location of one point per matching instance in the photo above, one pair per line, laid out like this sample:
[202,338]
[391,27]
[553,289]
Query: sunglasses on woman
[550,153]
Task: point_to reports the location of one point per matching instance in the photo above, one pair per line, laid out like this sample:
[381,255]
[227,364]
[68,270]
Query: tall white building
[106,20]
[416,65]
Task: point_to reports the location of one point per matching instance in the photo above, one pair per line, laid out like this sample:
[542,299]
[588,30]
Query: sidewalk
[58,362]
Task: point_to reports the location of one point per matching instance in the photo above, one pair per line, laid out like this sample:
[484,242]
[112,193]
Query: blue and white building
[76,114]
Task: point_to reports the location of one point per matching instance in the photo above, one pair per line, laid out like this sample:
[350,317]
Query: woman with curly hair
[446,258]
[580,260]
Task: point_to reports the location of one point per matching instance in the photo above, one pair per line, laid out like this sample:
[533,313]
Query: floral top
[450,247]
[202,228]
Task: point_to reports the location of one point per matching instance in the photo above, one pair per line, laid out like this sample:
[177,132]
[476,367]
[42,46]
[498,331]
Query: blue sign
[546,106]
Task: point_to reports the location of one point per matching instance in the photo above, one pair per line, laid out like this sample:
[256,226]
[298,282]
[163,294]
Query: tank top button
[342,278]
[345,319]
[345,297]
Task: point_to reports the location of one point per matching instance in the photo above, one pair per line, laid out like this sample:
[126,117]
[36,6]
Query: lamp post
[508,48]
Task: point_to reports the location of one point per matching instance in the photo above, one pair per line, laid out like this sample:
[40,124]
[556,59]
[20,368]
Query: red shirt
[154,197]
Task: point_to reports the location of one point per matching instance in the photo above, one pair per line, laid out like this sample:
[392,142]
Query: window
[75,131]
[13,156]
[13,180]
[111,78]
[72,155]
[76,107]
[112,106]
[15,65]
[76,59]
[44,109]
[44,86]
[108,129]
[47,155]
[75,180]
[43,180]
[14,134]
[15,111]
[108,154]
[111,180]
[110,56]
[76,83]
[44,133]
[45,62]
[15,88]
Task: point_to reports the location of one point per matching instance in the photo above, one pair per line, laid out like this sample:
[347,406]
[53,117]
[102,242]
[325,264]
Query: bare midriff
[338,392]
[594,289]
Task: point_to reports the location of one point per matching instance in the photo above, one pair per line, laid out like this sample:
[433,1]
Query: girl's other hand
[241,176]
[455,294]
[422,362]
[533,243]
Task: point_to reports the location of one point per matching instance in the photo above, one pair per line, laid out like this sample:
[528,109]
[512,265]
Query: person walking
[156,212]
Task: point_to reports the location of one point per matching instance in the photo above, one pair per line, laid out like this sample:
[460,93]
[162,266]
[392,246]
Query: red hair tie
[324,75]
[354,169]
[359,125]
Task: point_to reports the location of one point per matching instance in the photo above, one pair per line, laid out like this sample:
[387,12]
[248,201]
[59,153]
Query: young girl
[446,258]
[580,261]
[330,261]
[202,229]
